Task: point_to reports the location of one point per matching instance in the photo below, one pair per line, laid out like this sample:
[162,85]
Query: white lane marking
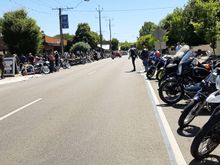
[19,109]
[93,72]
[173,149]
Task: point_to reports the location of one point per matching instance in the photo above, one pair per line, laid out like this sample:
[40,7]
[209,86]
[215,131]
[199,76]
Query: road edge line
[172,147]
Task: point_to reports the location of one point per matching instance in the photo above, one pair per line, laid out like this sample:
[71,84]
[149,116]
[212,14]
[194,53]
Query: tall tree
[21,33]
[147,28]
[84,34]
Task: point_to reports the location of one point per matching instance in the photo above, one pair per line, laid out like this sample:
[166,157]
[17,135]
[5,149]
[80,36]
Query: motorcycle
[208,138]
[42,66]
[206,87]
[189,72]
[171,65]
[64,63]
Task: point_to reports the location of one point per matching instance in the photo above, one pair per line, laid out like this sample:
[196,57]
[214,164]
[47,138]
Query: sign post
[159,34]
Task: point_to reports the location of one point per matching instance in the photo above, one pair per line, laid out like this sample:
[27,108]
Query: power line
[127,10]
[23,6]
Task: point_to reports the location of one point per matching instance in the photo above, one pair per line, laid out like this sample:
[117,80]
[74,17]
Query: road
[95,114]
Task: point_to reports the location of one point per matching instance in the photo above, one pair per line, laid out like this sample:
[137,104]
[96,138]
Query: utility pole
[61,28]
[100,28]
[60,22]
[110,30]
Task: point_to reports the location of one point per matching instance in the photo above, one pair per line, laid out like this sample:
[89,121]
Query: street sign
[64,21]
[159,33]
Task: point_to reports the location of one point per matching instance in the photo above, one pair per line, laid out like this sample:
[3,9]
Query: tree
[21,33]
[80,47]
[84,34]
[147,28]
[115,44]
[66,36]
[125,45]
[147,40]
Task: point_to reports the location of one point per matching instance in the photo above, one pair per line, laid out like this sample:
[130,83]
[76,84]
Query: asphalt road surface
[93,114]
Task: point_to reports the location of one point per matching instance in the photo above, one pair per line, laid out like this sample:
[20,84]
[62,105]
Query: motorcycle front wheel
[45,70]
[160,74]
[171,92]
[150,73]
[189,113]
[207,139]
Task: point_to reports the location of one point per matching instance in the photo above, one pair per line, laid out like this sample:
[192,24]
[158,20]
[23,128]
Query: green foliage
[84,34]
[115,44]
[197,23]
[81,47]
[21,33]
[125,45]
[147,28]
[147,40]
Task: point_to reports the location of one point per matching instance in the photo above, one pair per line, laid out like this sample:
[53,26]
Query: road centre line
[173,149]
[93,72]
[19,109]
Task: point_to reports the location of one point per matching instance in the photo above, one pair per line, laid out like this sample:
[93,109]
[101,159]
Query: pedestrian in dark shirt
[133,54]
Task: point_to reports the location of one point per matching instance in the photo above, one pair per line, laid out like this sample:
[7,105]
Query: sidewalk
[17,78]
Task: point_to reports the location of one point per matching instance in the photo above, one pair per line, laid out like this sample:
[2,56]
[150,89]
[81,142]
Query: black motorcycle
[42,66]
[189,72]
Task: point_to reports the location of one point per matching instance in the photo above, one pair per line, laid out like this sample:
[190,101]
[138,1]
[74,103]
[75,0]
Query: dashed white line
[93,72]
[173,149]
[19,109]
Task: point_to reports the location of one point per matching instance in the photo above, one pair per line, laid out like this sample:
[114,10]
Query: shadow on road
[211,160]
[189,131]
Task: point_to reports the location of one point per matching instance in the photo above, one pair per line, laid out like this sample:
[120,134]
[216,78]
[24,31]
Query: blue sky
[127,16]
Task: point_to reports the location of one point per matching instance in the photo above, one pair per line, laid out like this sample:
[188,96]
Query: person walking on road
[133,54]
[2,66]
[144,57]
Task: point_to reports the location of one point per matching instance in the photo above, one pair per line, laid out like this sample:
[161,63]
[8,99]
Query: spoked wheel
[151,72]
[171,92]
[207,139]
[189,113]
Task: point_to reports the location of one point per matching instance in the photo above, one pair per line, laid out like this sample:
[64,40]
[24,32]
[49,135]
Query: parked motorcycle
[208,138]
[206,87]
[42,66]
[64,63]
[189,72]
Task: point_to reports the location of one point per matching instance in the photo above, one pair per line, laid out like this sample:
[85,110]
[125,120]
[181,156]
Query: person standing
[2,66]
[51,59]
[144,57]
[133,54]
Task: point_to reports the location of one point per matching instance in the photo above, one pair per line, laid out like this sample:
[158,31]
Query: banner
[64,21]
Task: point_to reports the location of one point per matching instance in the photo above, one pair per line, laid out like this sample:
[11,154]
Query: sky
[127,16]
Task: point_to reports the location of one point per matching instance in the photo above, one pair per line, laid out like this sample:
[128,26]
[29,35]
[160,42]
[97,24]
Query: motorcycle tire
[189,113]
[150,73]
[171,87]
[160,74]
[207,139]
[45,70]
[164,77]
